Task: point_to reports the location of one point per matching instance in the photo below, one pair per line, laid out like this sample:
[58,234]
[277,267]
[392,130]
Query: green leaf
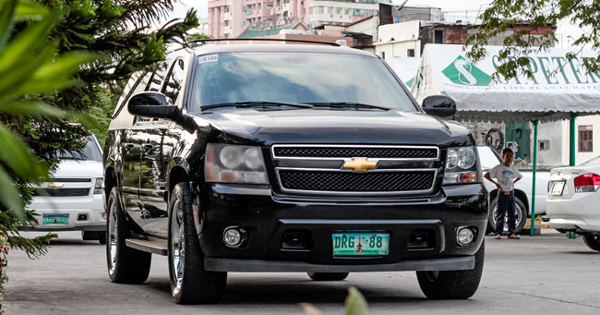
[31,108]
[16,155]
[27,42]
[13,76]
[356,303]
[65,66]
[7,11]
[30,10]
[87,121]
[10,195]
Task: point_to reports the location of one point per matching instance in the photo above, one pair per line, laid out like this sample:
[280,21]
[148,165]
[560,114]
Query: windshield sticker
[209,58]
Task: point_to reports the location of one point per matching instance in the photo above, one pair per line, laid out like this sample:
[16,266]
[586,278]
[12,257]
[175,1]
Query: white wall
[394,40]
[558,135]
[593,121]
[553,133]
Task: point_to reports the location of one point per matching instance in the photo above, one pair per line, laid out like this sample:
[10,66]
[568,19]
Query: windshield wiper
[350,104]
[264,104]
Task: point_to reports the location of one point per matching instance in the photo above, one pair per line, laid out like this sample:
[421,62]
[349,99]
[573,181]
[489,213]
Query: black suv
[289,158]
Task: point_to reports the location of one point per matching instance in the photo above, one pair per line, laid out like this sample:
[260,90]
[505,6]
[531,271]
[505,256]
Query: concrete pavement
[546,274]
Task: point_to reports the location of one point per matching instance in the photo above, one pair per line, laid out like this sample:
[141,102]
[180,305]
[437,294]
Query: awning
[559,86]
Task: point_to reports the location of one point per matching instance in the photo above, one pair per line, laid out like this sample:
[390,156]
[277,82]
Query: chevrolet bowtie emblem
[360,165]
[56,185]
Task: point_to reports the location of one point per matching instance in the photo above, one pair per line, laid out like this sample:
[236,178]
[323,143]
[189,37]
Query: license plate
[557,188]
[358,244]
[55,219]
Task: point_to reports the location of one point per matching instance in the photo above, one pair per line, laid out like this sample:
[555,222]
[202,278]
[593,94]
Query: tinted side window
[174,80]
[122,118]
[156,80]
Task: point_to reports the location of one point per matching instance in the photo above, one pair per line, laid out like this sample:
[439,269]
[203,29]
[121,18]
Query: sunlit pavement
[544,274]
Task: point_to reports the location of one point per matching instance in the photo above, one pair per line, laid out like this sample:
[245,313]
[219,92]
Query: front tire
[190,282]
[328,276]
[520,216]
[592,241]
[446,285]
[125,264]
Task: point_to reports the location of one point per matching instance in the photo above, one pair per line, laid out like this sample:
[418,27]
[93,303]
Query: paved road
[547,274]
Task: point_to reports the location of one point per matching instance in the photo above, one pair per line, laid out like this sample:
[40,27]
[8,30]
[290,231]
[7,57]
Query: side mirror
[152,104]
[440,106]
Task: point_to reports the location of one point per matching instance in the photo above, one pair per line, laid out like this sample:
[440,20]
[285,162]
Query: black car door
[156,155]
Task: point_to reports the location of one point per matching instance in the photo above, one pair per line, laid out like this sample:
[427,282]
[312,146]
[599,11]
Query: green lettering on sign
[463,72]
[561,62]
[544,64]
[576,71]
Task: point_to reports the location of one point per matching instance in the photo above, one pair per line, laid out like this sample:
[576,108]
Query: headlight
[234,164]
[98,186]
[461,166]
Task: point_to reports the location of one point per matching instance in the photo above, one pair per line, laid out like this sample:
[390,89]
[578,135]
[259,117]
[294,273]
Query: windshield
[488,157]
[301,78]
[91,152]
[593,162]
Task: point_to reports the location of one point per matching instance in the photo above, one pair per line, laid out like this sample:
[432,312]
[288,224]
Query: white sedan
[573,202]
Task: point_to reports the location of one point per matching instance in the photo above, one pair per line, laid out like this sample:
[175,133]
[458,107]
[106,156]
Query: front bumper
[267,218]
[85,213]
[580,212]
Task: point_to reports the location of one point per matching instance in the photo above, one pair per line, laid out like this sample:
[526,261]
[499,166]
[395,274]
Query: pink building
[229,18]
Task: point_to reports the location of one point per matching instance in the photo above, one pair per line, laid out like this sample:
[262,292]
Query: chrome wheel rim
[113,236]
[177,245]
[518,217]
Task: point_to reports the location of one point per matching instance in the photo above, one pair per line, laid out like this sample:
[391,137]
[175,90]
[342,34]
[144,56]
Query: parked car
[289,158]
[74,199]
[574,201]
[523,190]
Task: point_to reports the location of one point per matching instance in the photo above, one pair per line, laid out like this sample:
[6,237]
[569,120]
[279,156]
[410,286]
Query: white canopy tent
[560,88]
[405,68]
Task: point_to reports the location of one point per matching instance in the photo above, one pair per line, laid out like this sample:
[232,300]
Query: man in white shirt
[506,175]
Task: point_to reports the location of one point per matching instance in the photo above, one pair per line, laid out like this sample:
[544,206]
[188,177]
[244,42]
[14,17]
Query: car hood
[78,168]
[346,126]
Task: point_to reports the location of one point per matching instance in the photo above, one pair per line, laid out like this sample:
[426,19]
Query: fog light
[465,235]
[234,236]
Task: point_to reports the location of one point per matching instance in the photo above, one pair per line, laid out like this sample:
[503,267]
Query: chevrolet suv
[289,158]
[74,199]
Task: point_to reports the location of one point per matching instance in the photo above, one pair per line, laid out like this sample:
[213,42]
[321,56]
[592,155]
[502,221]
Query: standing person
[506,175]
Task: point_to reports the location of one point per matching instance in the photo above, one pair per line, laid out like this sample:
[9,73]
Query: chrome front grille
[72,180]
[333,181]
[318,169]
[350,151]
[62,192]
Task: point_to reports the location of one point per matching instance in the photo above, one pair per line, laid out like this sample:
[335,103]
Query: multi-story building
[204,26]
[229,18]
[224,18]
[341,12]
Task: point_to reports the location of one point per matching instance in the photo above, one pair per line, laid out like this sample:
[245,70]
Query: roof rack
[264,40]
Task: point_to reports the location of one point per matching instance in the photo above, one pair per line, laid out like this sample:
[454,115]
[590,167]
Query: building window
[543,145]
[346,11]
[439,37]
[586,139]
[337,10]
[410,52]
[383,55]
